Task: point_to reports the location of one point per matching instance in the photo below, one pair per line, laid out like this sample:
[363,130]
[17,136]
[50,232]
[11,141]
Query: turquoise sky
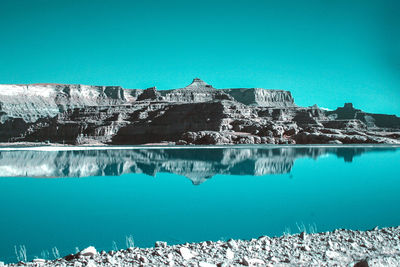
[325,52]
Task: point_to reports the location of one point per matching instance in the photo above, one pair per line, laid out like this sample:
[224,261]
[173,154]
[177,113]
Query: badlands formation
[196,114]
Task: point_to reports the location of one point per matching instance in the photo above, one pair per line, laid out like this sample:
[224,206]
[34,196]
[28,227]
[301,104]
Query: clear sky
[325,52]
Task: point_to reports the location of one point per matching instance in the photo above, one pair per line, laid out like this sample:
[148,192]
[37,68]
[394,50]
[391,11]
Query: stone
[143,259]
[362,263]
[230,254]
[206,264]
[303,235]
[39,260]
[160,244]
[158,253]
[88,252]
[111,260]
[71,257]
[186,253]
[91,263]
[232,244]
[252,261]
[332,254]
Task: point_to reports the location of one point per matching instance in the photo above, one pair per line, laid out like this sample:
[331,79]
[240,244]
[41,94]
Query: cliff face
[348,112]
[261,97]
[32,102]
[195,114]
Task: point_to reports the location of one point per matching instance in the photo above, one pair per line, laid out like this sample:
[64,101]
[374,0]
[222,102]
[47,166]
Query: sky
[325,52]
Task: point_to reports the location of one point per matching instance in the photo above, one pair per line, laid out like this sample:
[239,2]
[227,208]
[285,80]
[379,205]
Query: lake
[72,199]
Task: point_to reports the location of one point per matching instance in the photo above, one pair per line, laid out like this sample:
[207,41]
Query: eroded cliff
[195,114]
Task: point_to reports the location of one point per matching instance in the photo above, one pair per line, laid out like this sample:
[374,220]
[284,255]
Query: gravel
[377,247]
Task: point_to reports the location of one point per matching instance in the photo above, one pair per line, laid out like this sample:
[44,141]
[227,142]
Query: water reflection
[197,164]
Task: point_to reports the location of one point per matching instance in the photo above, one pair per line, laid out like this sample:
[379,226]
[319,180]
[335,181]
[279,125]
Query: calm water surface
[69,199]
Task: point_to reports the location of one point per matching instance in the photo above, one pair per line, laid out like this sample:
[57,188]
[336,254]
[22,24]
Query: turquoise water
[69,199]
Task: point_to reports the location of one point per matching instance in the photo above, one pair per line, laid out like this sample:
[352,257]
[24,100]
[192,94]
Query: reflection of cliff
[197,164]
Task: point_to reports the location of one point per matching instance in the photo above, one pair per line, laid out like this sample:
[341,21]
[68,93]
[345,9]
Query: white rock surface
[186,253]
[230,254]
[89,251]
[206,264]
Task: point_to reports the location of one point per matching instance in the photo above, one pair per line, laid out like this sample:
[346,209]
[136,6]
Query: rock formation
[195,114]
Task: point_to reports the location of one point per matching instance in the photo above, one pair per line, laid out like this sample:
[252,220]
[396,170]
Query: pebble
[88,252]
[232,244]
[160,244]
[303,235]
[332,254]
[186,253]
[250,262]
[230,254]
[143,259]
[39,260]
[206,264]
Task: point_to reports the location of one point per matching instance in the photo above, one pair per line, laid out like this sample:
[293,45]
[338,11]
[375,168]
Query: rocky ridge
[195,114]
[377,247]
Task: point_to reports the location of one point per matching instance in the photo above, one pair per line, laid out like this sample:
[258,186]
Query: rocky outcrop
[197,164]
[262,97]
[35,101]
[348,112]
[195,114]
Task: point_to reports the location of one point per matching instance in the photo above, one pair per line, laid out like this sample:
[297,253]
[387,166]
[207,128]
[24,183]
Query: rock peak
[348,106]
[198,84]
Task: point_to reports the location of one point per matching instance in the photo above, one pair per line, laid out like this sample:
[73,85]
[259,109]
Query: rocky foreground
[197,114]
[378,247]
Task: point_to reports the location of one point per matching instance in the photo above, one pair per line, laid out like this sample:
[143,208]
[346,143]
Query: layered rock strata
[195,114]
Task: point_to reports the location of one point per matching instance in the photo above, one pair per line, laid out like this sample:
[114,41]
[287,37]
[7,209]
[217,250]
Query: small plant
[45,254]
[287,231]
[20,253]
[56,253]
[312,228]
[129,241]
[114,246]
[301,227]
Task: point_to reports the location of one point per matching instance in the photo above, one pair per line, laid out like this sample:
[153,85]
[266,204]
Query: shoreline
[65,147]
[376,247]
